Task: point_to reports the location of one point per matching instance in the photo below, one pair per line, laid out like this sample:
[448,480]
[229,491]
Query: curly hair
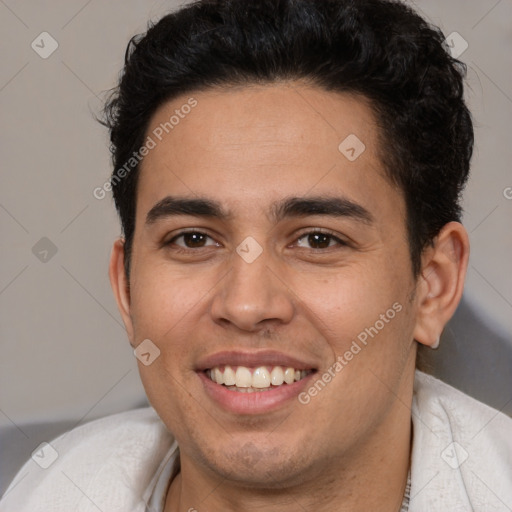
[380,49]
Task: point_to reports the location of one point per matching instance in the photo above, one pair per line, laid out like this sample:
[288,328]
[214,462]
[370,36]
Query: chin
[253,464]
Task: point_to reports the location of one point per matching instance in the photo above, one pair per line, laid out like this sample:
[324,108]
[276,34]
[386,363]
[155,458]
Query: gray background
[65,359]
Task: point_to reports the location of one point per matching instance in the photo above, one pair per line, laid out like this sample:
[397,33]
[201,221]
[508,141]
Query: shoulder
[107,463]
[466,416]
[462,450]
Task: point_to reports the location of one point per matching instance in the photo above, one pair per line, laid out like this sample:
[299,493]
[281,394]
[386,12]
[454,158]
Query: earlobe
[441,282]
[120,285]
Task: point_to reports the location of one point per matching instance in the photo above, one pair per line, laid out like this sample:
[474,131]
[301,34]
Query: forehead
[248,144]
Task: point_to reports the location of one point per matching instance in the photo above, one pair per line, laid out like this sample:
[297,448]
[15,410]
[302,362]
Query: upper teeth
[261,377]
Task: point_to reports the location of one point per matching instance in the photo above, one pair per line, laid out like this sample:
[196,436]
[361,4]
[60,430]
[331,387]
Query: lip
[259,402]
[254,359]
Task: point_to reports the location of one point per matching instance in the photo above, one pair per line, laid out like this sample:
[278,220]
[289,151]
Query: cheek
[167,392]
[354,303]
[161,300]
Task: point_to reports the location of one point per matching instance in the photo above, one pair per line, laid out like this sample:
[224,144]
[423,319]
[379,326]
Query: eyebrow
[321,205]
[172,206]
[288,207]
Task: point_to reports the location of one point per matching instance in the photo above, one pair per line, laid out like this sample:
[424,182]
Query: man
[287,173]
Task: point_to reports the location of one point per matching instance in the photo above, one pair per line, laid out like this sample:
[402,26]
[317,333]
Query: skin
[248,147]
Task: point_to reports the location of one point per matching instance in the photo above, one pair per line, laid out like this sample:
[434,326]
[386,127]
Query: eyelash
[330,234]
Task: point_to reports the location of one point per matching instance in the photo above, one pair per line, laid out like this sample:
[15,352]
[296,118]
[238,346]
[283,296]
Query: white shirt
[461,460]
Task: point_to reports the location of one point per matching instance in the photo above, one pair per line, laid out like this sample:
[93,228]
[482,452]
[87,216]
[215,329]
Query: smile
[244,382]
[245,379]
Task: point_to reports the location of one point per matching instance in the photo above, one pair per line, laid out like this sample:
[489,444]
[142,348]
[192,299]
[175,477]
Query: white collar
[156,492]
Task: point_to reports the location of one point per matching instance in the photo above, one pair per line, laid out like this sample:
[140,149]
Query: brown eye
[194,239]
[191,240]
[319,240]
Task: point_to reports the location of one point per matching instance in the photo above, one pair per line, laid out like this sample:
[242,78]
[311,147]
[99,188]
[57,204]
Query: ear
[441,282]
[120,285]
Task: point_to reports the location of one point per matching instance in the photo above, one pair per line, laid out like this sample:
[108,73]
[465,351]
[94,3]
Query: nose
[253,295]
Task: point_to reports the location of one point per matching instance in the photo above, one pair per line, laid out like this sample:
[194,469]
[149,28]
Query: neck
[374,477]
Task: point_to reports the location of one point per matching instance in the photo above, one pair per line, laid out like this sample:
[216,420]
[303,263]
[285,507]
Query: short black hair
[380,49]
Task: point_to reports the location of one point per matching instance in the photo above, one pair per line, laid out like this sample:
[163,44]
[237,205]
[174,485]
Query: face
[261,244]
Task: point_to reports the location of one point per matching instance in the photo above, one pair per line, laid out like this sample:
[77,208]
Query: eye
[191,240]
[319,240]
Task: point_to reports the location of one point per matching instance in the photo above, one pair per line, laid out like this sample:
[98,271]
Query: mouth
[244,379]
[252,383]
